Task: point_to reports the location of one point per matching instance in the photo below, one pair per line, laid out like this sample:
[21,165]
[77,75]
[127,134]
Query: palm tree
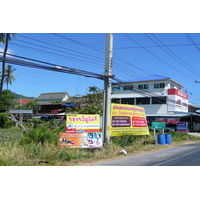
[5,38]
[9,75]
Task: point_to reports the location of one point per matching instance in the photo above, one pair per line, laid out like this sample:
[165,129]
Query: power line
[56,67]
[143,93]
[157,46]
[158,57]
[56,54]
[80,43]
[193,42]
[57,46]
[176,56]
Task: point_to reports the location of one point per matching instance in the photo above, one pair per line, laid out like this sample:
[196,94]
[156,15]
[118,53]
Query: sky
[97,18]
[135,55]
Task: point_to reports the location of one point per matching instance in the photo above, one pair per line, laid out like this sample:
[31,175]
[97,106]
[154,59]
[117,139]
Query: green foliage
[30,105]
[182,136]
[128,140]
[4,121]
[91,103]
[9,76]
[42,132]
[6,100]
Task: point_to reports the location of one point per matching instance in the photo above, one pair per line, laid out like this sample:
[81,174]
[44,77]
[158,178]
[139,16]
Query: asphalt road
[184,155]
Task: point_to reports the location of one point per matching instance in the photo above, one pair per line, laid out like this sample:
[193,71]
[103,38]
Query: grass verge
[40,149]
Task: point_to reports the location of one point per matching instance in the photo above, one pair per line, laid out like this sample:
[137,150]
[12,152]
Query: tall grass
[40,147]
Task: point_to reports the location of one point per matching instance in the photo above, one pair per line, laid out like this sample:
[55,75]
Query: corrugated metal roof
[52,96]
[48,98]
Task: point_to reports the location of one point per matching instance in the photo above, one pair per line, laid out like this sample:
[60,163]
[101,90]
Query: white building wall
[151,91]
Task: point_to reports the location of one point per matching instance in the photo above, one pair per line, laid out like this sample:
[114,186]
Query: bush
[39,135]
[4,121]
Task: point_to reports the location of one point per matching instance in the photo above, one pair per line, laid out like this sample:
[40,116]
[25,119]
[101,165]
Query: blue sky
[134,55]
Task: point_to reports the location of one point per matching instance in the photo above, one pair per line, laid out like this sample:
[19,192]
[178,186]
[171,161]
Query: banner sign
[158,125]
[167,120]
[79,123]
[81,140]
[181,127]
[128,120]
[180,100]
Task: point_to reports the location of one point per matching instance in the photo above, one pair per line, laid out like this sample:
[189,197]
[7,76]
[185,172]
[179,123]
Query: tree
[91,103]
[9,75]
[31,105]
[5,38]
[7,100]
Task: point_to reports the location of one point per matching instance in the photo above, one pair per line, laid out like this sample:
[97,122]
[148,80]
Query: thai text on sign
[128,120]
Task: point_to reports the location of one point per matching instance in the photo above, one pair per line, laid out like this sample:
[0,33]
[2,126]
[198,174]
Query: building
[52,103]
[162,98]
[23,101]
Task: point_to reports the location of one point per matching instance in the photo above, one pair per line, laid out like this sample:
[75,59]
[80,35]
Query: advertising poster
[181,127]
[79,123]
[81,140]
[128,120]
[168,120]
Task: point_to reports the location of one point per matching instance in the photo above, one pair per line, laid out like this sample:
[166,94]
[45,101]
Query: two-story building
[161,97]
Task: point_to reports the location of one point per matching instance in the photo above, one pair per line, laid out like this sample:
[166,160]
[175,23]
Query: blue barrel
[161,139]
[168,139]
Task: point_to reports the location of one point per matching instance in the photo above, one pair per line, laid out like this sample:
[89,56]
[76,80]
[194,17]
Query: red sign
[139,122]
[179,93]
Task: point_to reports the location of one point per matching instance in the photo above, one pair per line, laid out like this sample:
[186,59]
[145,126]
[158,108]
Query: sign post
[82,131]
[158,125]
[182,127]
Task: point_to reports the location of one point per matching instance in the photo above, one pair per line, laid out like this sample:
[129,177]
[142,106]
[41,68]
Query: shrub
[39,135]
[4,121]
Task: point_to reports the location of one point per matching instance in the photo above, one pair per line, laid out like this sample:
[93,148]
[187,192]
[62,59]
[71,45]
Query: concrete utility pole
[107,88]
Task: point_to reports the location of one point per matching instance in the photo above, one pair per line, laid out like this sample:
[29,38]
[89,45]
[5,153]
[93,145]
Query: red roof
[24,101]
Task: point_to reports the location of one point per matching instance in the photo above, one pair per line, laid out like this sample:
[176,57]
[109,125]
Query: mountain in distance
[20,96]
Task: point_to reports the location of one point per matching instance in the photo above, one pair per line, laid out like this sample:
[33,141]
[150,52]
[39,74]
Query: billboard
[167,120]
[181,127]
[128,120]
[82,131]
[177,100]
[79,123]
[81,140]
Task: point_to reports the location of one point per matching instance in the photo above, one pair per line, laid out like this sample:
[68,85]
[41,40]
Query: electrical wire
[57,68]
[59,55]
[193,42]
[184,64]
[158,58]
[57,46]
[120,83]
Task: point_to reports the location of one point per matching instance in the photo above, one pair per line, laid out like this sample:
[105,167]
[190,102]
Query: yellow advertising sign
[79,123]
[128,120]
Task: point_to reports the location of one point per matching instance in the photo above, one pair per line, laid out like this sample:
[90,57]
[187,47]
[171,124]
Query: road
[184,155]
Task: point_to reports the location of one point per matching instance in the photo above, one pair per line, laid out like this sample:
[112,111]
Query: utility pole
[107,88]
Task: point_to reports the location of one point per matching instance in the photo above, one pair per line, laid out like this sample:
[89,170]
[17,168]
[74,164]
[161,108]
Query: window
[115,89]
[172,86]
[115,100]
[143,86]
[159,100]
[143,100]
[159,85]
[128,87]
[127,101]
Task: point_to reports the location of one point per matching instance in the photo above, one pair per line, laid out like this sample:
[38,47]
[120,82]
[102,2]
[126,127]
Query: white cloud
[9,50]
